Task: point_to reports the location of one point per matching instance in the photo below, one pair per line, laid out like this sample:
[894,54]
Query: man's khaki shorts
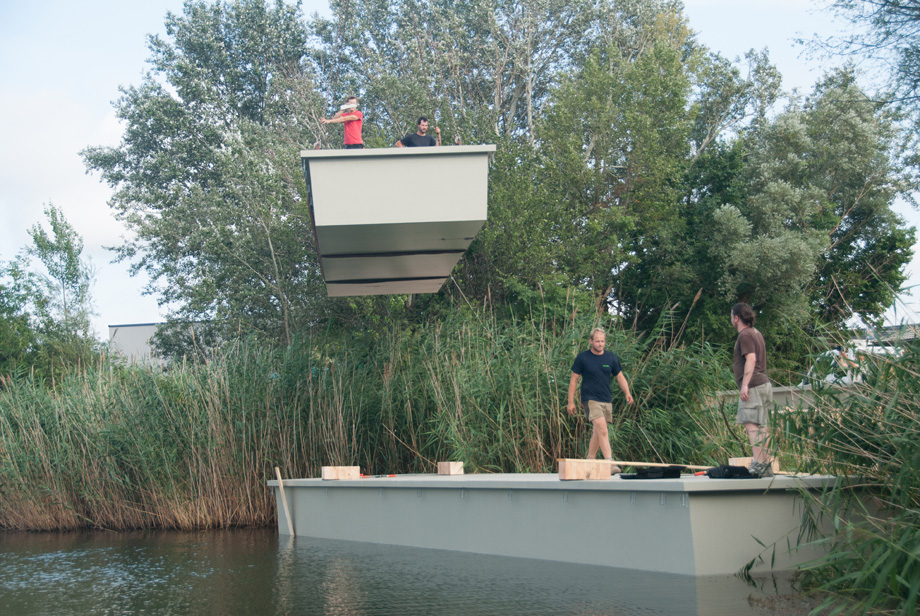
[758,406]
[595,410]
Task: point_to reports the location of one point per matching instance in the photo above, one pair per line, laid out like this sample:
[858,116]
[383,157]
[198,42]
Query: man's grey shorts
[758,406]
[595,410]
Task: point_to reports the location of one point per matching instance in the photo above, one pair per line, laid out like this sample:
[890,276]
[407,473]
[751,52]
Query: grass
[868,436]
[118,447]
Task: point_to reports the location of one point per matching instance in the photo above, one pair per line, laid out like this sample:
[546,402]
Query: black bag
[656,472]
[730,472]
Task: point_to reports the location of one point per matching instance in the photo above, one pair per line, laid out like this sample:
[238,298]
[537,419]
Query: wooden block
[341,472]
[450,468]
[571,469]
[746,462]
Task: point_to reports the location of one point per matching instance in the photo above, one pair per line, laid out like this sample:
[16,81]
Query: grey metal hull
[692,526]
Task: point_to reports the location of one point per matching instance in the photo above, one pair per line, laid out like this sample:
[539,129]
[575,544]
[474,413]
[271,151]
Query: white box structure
[395,220]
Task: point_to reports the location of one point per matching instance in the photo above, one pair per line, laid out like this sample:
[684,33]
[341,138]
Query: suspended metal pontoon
[395,220]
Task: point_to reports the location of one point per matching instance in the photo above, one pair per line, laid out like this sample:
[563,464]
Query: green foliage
[46,306]
[795,218]
[615,138]
[868,437]
[17,336]
[479,68]
[632,163]
[118,447]
[887,32]
[208,176]
[67,283]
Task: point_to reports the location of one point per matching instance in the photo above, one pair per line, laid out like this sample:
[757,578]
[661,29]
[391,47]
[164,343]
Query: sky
[64,61]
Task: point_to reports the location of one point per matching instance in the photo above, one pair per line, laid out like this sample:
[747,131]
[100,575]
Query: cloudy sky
[63,62]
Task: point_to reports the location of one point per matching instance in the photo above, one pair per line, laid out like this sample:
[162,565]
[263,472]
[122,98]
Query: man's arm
[573,383]
[399,144]
[749,360]
[340,119]
[437,139]
[624,385]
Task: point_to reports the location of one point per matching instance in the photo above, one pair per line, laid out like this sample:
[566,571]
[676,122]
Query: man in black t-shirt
[596,368]
[420,138]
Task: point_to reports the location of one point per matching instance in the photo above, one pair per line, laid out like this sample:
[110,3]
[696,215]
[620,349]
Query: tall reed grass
[123,447]
[869,437]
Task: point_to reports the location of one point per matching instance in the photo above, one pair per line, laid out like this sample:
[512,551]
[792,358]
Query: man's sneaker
[615,470]
[761,469]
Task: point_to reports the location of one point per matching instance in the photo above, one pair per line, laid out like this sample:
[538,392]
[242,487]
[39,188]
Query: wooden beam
[622,463]
[287,512]
[341,472]
[576,469]
[450,468]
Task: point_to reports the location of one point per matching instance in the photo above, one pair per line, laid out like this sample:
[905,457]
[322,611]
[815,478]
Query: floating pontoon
[691,526]
[395,220]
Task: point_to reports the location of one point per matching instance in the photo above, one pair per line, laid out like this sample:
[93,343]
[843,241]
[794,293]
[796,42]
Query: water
[256,572]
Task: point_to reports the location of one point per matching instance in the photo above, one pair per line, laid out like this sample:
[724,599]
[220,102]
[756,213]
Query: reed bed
[119,447]
[869,436]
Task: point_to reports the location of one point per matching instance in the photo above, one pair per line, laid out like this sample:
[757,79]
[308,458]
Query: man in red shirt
[353,121]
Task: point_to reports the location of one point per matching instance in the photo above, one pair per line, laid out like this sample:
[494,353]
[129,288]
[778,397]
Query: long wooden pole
[625,463]
[287,513]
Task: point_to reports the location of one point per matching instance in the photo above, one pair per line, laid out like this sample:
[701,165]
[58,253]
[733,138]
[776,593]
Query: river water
[258,572]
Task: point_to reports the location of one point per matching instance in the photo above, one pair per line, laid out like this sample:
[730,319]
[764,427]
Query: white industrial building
[132,341]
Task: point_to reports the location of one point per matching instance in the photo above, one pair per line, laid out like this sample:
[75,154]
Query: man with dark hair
[597,367]
[353,120]
[755,391]
[421,138]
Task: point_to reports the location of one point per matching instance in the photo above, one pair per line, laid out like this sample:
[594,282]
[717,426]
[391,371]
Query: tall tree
[480,68]
[633,163]
[207,174]
[64,298]
[46,305]
[888,31]
[614,142]
[815,233]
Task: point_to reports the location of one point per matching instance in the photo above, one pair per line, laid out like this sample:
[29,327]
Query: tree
[633,164]
[615,141]
[207,175]
[889,31]
[64,299]
[480,68]
[814,235]
[17,337]
[857,163]
[46,307]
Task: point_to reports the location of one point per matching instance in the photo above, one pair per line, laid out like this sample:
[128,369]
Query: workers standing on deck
[597,367]
[353,119]
[421,138]
[755,391]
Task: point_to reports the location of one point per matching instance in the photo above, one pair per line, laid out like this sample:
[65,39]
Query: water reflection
[256,572]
